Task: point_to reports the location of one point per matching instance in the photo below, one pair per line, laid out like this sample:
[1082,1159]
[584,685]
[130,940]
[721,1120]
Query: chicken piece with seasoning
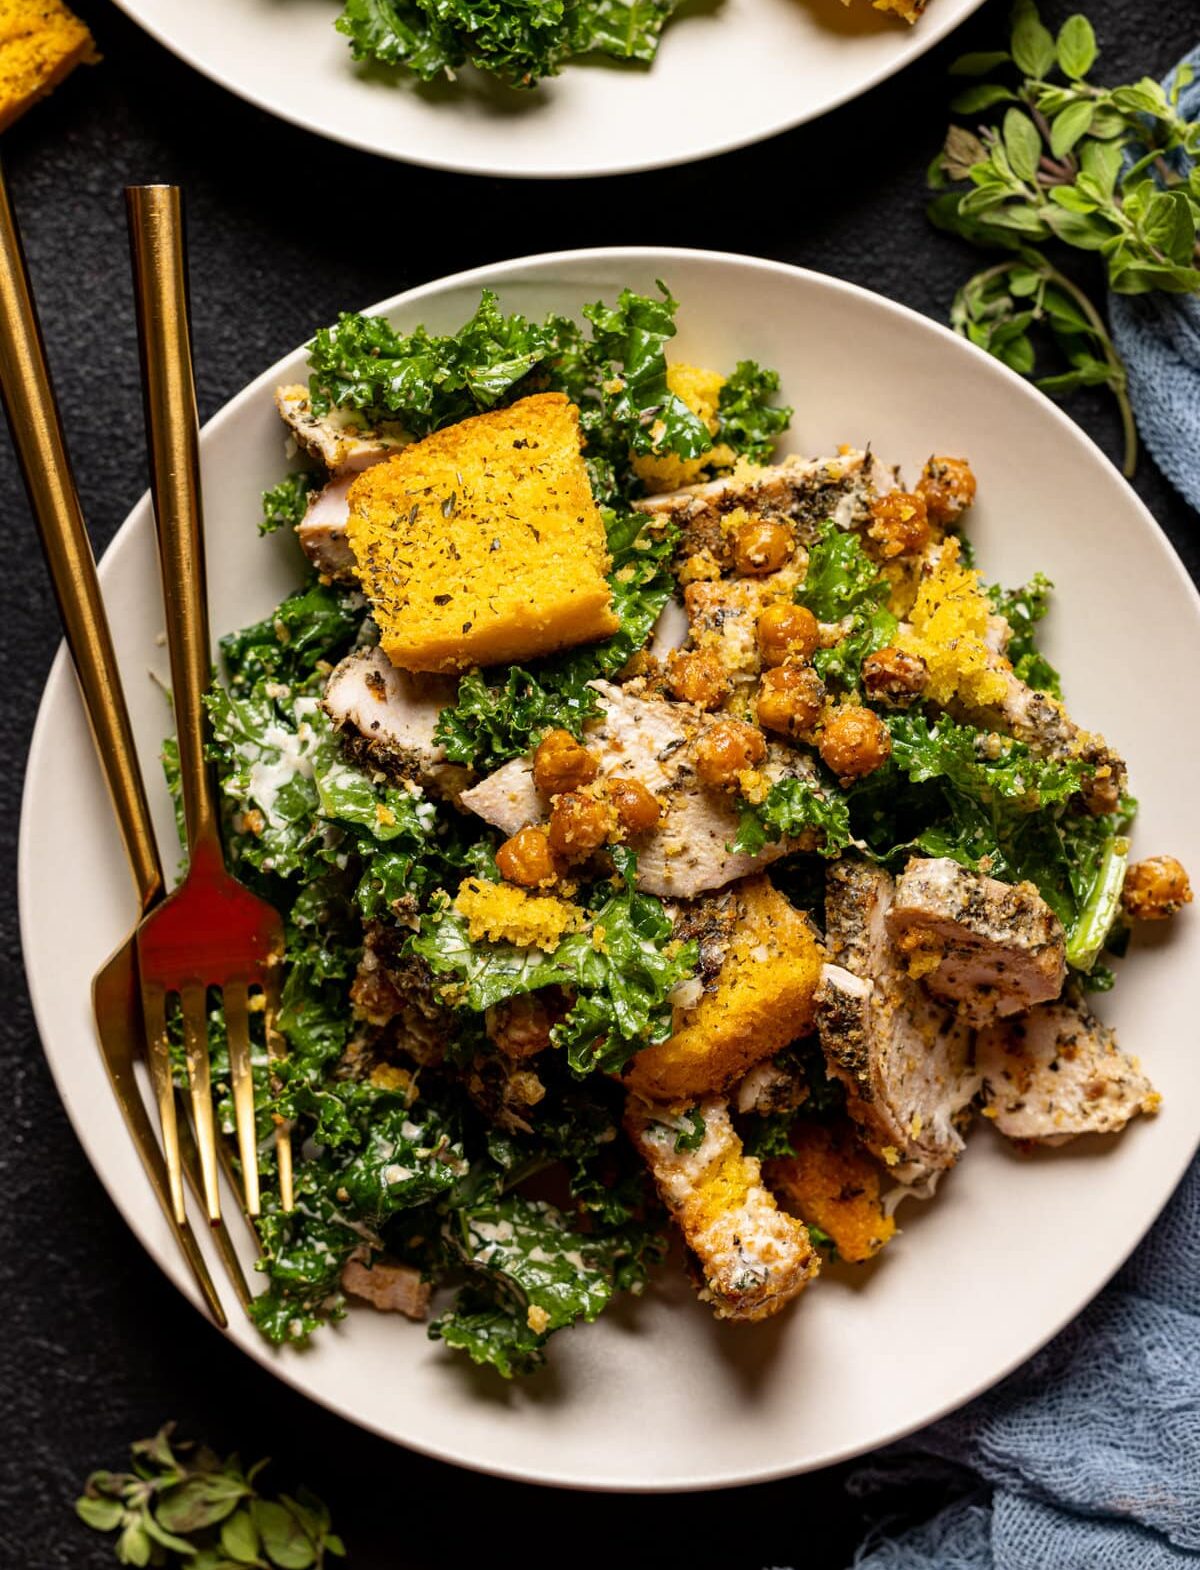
[986,947]
[752,1257]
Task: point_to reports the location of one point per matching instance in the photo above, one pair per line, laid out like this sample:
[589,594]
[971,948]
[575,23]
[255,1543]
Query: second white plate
[729,72]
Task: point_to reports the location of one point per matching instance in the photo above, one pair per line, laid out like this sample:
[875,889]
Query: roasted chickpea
[527,860]
[899,524]
[760,547]
[854,742]
[948,487]
[892,676]
[787,632]
[562,763]
[697,678]
[790,699]
[1101,788]
[637,809]
[725,749]
[579,825]
[520,1027]
[1155,889]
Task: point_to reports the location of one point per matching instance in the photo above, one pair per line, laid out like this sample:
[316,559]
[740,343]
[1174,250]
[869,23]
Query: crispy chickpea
[948,487]
[790,699]
[520,1027]
[562,763]
[761,546]
[854,742]
[1155,889]
[787,632]
[899,524]
[697,678]
[892,676]
[579,825]
[637,809]
[527,860]
[727,748]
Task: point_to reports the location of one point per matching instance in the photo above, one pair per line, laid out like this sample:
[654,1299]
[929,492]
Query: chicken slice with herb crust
[799,492]
[388,717]
[904,1059]
[391,1288]
[322,531]
[649,739]
[341,439]
[723,617]
[989,948]
[753,1258]
[1056,1073]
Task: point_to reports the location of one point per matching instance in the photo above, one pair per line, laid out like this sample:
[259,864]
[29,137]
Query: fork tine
[193,1000]
[237,1027]
[154,1010]
[220,1232]
[283,1134]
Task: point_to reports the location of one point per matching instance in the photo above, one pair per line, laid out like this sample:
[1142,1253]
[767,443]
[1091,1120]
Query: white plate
[657,1395]
[729,72]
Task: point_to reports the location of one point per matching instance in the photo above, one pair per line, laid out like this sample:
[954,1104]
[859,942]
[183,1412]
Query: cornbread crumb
[700,389]
[948,623]
[831,1182]
[41,42]
[762,1000]
[482,543]
[504,913]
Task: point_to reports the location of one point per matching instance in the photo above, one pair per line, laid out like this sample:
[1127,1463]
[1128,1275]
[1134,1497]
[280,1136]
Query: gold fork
[211,932]
[54,501]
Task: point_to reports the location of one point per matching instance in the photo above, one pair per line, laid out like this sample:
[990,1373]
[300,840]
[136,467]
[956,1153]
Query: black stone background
[96,1348]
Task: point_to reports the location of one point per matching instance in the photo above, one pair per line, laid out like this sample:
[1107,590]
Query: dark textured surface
[97,1348]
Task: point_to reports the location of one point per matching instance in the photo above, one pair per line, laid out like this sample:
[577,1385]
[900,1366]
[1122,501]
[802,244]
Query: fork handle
[37,435]
[157,247]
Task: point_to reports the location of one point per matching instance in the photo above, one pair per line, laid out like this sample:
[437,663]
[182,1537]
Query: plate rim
[60,673]
[921,40]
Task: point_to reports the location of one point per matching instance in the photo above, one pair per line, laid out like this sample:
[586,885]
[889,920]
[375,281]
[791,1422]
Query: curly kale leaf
[315,624]
[624,29]
[491,723]
[747,420]
[620,969]
[284,505]
[789,808]
[1022,609]
[996,772]
[843,583]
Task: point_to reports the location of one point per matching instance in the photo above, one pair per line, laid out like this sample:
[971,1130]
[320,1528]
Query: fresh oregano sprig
[1066,163]
[181,1504]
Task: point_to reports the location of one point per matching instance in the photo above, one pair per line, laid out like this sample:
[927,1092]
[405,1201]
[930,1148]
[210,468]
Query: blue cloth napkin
[1158,337]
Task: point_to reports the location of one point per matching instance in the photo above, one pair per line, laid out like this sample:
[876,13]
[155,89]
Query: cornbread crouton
[482,543]
[761,999]
[910,10]
[1057,1072]
[753,1258]
[341,439]
[41,42]
[948,627]
[503,913]
[832,1183]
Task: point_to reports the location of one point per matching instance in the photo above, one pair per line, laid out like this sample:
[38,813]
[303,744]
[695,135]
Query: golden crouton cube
[831,1182]
[752,1257]
[41,42]
[482,544]
[761,999]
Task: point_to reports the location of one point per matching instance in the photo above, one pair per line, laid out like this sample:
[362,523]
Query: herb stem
[1117,379]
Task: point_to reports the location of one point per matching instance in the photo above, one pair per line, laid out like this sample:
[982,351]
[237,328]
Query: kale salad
[674,841]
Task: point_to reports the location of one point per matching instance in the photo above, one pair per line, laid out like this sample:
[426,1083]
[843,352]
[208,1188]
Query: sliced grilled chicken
[990,948]
[723,616]
[904,1058]
[798,491]
[1057,1072]
[388,716]
[322,530]
[649,740]
[342,440]
[752,1257]
[394,1289]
